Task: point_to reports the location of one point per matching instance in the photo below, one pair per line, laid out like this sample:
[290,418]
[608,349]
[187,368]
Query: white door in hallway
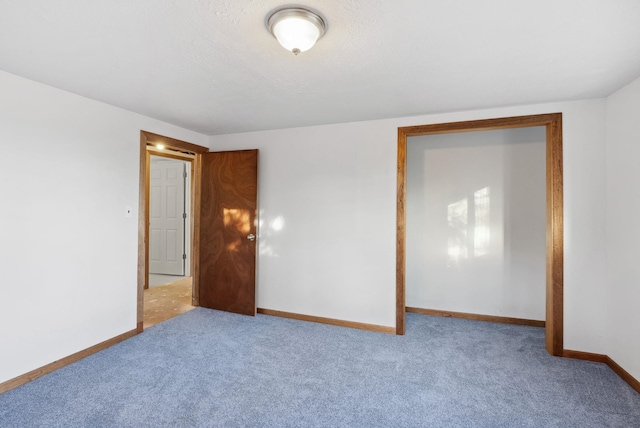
[167,216]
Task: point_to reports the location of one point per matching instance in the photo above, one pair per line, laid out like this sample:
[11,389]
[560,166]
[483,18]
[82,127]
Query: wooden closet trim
[554,194]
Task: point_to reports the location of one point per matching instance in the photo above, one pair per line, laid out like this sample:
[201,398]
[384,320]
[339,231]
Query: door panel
[227,262]
[166,221]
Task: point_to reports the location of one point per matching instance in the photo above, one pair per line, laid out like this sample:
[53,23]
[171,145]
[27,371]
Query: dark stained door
[227,265]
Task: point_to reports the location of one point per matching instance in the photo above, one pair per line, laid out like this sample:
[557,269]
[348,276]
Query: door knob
[251,237]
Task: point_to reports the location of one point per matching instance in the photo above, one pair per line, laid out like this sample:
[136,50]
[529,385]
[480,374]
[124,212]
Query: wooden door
[166,216]
[228,211]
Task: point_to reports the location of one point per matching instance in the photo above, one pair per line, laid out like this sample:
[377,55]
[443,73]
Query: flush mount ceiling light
[296,29]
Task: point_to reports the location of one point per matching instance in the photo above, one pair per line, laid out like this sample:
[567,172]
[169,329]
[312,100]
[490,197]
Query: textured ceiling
[211,65]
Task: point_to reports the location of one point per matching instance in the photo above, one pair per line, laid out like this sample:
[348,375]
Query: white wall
[69,256]
[623,234]
[324,242]
[476,226]
[328,197]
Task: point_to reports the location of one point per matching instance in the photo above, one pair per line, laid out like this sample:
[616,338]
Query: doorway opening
[169,285]
[223,245]
[167,239]
[554,213]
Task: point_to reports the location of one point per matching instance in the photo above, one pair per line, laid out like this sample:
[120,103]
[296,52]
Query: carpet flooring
[207,368]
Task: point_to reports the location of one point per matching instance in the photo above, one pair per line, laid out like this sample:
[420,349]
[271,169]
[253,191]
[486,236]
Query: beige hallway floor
[166,301]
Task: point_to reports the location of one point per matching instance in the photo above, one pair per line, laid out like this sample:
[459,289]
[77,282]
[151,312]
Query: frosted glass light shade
[296,33]
[296,29]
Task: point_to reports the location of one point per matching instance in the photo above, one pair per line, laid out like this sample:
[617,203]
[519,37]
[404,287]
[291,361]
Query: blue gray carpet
[213,369]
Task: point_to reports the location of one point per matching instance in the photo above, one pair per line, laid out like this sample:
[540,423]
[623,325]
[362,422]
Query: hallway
[163,302]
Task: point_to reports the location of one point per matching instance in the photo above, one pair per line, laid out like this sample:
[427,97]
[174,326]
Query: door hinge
[184,215]
[184,174]
[184,257]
